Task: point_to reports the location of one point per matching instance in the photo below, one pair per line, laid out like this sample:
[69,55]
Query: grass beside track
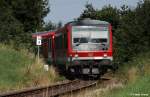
[137,76]
[140,88]
[20,69]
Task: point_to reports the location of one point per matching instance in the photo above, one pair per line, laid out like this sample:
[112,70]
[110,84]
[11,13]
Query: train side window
[59,41]
[65,41]
[44,47]
[44,41]
[49,48]
[50,44]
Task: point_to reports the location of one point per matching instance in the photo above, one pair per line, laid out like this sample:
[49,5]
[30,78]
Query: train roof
[44,34]
[88,21]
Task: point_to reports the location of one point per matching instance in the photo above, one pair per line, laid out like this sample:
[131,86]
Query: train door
[50,51]
[44,48]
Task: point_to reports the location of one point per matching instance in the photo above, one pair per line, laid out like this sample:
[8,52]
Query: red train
[80,47]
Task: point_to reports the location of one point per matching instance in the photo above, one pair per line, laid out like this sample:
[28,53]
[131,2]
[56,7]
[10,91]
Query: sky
[67,10]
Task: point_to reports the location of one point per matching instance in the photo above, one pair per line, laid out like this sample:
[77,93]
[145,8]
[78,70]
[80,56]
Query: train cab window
[99,40]
[76,40]
[90,38]
[80,40]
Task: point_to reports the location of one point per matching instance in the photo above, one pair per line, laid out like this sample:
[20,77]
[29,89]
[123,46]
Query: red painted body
[86,53]
[61,47]
[44,47]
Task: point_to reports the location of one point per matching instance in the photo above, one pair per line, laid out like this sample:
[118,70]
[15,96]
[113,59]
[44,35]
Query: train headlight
[76,55]
[105,55]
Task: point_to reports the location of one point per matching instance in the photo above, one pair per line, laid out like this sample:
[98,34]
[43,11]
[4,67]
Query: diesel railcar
[80,47]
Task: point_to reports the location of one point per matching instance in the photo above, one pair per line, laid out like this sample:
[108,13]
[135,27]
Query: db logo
[90,54]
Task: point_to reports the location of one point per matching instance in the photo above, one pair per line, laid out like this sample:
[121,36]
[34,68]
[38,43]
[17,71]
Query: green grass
[140,87]
[137,76]
[19,69]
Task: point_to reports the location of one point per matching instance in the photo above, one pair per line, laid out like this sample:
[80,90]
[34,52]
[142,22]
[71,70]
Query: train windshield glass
[89,38]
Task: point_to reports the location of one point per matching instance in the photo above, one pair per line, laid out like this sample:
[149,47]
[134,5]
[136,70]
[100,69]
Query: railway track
[52,91]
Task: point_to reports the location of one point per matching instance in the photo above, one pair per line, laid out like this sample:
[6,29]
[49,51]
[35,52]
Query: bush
[20,69]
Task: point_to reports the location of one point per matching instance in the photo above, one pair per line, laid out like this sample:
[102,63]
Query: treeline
[131,34]
[20,18]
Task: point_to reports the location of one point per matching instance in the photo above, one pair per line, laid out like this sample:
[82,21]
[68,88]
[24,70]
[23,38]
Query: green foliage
[20,18]
[11,63]
[29,13]
[20,69]
[107,13]
[131,33]
[59,25]
[132,37]
[137,75]
[50,26]
[89,12]
[140,87]
[10,27]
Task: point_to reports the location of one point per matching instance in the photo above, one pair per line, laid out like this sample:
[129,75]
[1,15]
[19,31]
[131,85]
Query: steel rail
[51,91]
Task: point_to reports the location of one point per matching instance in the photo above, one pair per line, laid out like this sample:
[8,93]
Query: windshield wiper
[77,44]
[104,46]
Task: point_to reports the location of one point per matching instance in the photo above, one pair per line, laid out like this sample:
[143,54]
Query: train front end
[90,47]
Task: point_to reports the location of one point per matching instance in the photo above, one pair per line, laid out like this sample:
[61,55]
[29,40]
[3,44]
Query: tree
[89,12]
[11,28]
[59,25]
[133,35]
[20,18]
[49,26]
[30,14]
[107,13]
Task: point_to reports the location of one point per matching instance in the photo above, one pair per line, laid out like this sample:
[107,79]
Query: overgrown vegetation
[137,76]
[20,69]
[131,34]
[20,18]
